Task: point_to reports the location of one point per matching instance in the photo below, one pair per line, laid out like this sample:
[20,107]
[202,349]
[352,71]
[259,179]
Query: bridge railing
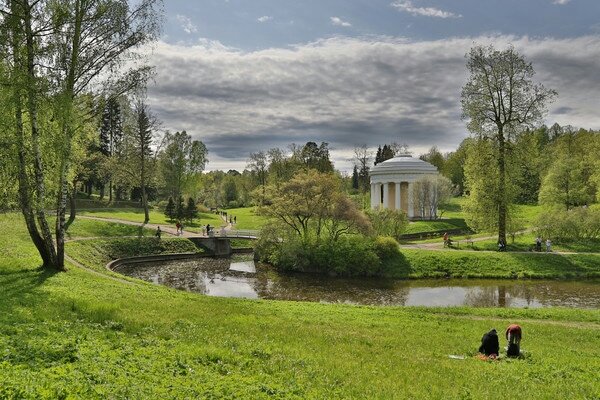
[237,233]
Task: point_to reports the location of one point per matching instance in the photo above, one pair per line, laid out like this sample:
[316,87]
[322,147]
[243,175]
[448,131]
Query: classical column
[374,196]
[411,206]
[397,185]
[386,195]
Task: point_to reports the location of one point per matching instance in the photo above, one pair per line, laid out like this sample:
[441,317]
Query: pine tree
[386,153]
[378,156]
[180,209]
[170,209]
[191,211]
[355,178]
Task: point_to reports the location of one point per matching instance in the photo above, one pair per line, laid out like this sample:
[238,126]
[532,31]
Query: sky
[248,75]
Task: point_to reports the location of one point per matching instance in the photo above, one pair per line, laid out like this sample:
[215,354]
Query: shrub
[578,223]
[349,255]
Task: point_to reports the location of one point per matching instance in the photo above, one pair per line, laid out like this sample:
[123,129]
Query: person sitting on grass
[490,346]
[513,335]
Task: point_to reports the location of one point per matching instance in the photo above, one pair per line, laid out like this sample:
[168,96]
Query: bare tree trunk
[68,134]
[502,207]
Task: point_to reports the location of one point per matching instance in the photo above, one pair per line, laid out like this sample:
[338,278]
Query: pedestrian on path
[158,232]
[548,246]
[177,225]
[234,219]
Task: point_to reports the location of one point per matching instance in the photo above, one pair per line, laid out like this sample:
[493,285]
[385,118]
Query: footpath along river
[240,277]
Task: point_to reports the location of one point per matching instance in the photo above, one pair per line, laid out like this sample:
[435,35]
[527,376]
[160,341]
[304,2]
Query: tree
[191,211]
[258,166]
[179,209]
[355,179]
[312,203]
[58,51]
[170,209]
[387,222]
[569,181]
[315,157]
[144,135]
[435,158]
[499,99]
[111,134]
[362,158]
[181,159]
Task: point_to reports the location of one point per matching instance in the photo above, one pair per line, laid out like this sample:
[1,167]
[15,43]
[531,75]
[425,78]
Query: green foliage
[191,211]
[179,209]
[387,222]
[350,255]
[575,224]
[170,209]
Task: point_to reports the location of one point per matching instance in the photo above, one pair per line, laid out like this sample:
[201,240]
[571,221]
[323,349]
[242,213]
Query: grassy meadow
[81,335]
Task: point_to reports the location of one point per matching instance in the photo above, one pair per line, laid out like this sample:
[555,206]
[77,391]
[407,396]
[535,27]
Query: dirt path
[170,230]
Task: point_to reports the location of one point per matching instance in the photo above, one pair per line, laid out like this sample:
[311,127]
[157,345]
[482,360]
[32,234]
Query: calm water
[241,278]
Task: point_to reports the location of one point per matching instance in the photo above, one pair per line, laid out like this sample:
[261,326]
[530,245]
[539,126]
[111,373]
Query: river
[240,277]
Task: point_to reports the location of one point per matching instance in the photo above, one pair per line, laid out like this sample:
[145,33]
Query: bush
[351,255]
[578,223]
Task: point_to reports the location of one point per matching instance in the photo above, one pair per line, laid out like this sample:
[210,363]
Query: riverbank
[418,264]
[79,334]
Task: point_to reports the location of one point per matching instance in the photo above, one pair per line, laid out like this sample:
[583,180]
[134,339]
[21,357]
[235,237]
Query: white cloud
[264,18]
[339,22]
[349,91]
[186,24]
[561,2]
[407,5]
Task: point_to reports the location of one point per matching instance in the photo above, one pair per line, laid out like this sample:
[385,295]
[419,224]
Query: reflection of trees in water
[318,288]
[498,295]
[190,275]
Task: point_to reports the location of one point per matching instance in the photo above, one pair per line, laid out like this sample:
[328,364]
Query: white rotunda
[393,181]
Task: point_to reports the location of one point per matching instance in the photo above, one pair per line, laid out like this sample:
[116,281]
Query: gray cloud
[350,91]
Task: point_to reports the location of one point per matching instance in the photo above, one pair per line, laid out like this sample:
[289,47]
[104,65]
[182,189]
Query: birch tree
[499,100]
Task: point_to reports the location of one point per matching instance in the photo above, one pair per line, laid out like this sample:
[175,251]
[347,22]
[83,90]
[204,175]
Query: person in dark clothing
[158,232]
[513,335]
[490,346]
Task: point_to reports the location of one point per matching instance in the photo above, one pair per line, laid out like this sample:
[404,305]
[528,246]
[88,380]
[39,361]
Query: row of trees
[57,59]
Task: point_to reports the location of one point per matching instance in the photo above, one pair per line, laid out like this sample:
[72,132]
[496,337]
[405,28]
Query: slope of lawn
[80,335]
[156,217]
[471,264]
[247,218]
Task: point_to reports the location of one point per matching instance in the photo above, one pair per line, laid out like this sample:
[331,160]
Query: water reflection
[234,278]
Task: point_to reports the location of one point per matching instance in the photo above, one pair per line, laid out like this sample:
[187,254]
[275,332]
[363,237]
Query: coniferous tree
[355,183]
[378,156]
[170,209]
[111,135]
[180,209]
[191,211]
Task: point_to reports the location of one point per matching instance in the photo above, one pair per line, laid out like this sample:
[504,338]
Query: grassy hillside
[80,335]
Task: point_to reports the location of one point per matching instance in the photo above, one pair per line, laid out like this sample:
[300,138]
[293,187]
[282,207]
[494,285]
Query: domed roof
[402,164]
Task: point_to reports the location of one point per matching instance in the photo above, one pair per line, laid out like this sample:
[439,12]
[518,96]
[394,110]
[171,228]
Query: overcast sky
[244,76]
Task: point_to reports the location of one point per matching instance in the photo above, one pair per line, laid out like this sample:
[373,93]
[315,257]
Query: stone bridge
[218,242]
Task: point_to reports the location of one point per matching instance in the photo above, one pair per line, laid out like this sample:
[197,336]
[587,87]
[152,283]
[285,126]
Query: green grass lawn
[473,264]
[247,218]
[526,241]
[79,335]
[436,225]
[156,217]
